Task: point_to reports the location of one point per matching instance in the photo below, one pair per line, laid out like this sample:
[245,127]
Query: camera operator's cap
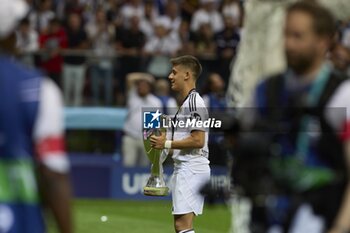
[11,12]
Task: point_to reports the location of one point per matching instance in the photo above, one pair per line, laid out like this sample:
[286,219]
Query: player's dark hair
[190,62]
[324,24]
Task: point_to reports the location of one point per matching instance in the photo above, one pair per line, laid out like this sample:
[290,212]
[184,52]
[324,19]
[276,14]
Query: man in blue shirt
[32,154]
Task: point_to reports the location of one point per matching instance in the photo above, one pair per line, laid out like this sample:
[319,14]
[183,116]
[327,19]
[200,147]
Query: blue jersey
[20,210]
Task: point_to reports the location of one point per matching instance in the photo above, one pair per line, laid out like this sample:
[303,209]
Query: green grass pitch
[140,217]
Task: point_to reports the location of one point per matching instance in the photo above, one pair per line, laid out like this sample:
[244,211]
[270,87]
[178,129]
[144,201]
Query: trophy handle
[154,155]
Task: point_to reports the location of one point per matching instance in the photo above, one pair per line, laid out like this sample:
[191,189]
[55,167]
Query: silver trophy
[155,185]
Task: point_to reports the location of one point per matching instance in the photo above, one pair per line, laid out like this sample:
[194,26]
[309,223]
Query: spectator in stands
[203,41]
[227,42]
[139,87]
[340,57]
[101,35]
[129,44]
[231,8]
[214,93]
[172,12]
[208,13]
[215,100]
[74,66]
[184,35]
[163,42]
[52,42]
[40,20]
[112,8]
[72,6]
[27,42]
[132,8]
[203,45]
[188,8]
[162,91]
[160,47]
[146,23]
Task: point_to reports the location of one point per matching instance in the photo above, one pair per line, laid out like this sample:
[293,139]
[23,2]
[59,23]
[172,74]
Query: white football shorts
[186,187]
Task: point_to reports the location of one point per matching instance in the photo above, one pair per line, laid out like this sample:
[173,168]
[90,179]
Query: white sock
[187,231]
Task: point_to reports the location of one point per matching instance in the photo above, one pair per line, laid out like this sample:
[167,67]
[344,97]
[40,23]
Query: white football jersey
[193,108]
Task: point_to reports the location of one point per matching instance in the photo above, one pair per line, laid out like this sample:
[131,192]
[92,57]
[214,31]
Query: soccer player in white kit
[188,145]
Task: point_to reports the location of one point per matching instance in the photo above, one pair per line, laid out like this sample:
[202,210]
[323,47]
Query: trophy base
[156,191]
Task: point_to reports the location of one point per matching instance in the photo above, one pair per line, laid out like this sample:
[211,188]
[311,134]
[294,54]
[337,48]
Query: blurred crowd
[89,46]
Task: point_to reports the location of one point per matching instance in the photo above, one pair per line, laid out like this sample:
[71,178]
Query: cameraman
[305,111]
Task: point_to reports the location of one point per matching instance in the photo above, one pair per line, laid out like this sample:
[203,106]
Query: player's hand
[157,142]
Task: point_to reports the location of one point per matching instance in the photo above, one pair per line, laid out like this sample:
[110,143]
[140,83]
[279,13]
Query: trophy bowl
[155,185]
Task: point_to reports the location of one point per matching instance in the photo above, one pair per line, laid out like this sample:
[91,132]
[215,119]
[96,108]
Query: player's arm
[194,141]
[53,168]
[56,191]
